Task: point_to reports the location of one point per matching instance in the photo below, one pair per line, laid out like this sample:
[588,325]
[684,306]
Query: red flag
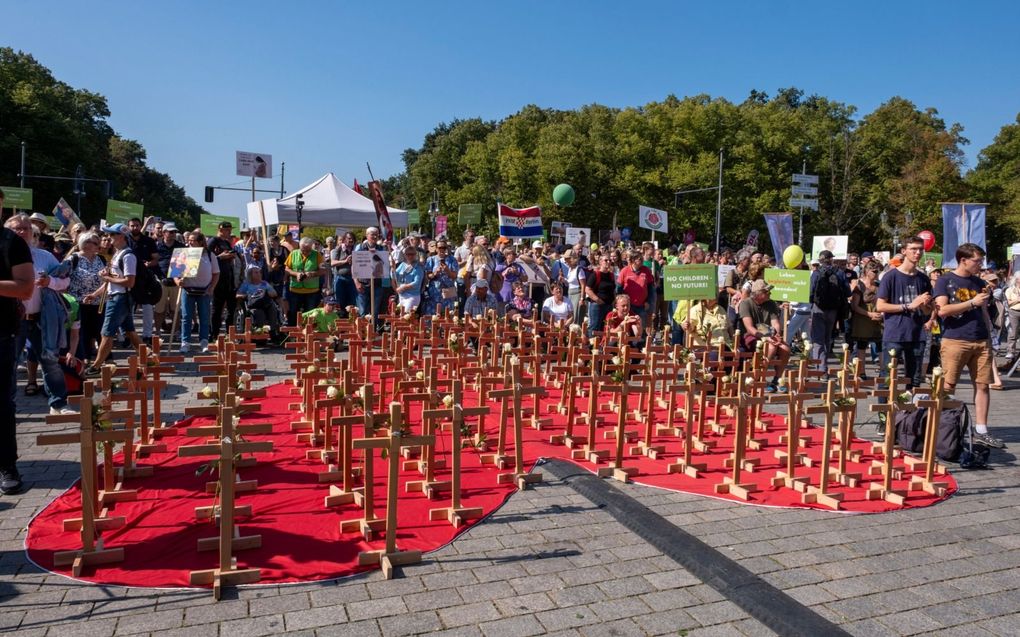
[357,188]
[381,212]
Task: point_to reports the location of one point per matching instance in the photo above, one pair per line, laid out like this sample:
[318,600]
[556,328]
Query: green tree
[996,181]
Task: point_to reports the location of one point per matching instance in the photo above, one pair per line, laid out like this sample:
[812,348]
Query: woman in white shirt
[558,308]
[574,277]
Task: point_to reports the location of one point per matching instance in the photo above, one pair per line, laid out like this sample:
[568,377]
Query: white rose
[726,379]
[804,336]
[692,357]
[936,372]
[575,327]
[331,393]
[892,352]
[207,391]
[595,352]
[448,400]
[748,380]
[420,375]
[851,400]
[846,346]
[245,377]
[593,342]
[310,369]
[515,360]
[507,347]
[616,360]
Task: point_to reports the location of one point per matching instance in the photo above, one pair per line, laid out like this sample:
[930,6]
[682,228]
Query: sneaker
[989,441]
[62,411]
[91,372]
[770,388]
[185,348]
[10,481]
[204,347]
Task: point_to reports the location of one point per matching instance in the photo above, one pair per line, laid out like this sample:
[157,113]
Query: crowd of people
[67,298]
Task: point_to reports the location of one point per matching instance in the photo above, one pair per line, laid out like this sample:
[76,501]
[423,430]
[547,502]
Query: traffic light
[209,194]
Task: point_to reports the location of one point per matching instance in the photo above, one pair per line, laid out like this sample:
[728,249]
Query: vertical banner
[961,223]
[440,225]
[780,225]
[381,212]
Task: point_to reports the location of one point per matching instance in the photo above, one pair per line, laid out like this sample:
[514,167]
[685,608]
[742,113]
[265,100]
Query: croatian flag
[520,224]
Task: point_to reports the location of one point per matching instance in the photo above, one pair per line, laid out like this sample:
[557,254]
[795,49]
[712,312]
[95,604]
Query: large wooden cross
[516,393]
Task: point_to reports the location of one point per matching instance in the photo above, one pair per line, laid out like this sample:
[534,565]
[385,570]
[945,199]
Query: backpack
[910,426]
[829,292]
[147,289]
[954,427]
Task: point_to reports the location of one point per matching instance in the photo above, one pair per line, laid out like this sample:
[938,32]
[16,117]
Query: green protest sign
[122,211]
[20,198]
[937,256]
[789,285]
[703,246]
[413,217]
[690,282]
[470,214]
[210,223]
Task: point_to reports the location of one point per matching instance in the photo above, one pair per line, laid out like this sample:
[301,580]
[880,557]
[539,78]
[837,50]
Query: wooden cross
[361,496]
[92,521]
[936,404]
[829,408]
[516,393]
[890,408]
[690,386]
[616,470]
[229,538]
[391,444]
[456,412]
[742,403]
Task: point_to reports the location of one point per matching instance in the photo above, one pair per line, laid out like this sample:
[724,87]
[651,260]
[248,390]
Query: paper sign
[836,244]
[370,264]
[210,223]
[254,164]
[790,285]
[690,282]
[413,217]
[122,211]
[20,198]
[184,263]
[652,219]
[724,272]
[575,235]
[934,256]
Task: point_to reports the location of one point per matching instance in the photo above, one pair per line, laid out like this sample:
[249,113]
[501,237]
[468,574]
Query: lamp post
[718,201]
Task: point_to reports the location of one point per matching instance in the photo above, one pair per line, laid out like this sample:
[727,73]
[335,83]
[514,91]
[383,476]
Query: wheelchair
[264,313]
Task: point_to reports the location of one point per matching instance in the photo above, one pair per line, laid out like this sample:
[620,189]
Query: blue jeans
[52,373]
[799,323]
[365,299]
[822,323]
[596,316]
[191,304]
[909,353]
[118,315]
[8,390]
[344,292]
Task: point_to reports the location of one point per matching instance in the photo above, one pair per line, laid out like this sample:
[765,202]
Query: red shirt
[636,284]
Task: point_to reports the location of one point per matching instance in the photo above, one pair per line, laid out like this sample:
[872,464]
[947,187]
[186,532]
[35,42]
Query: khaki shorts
[975,356]
[166,302]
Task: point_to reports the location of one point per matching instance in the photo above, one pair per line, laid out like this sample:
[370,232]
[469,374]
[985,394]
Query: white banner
[652,219]
[370,264]
[575,235]
[254,164]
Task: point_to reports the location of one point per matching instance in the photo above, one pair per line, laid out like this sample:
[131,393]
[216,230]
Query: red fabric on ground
[301,540]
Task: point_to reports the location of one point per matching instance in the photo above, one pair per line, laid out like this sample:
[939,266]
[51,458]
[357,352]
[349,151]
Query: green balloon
[563,195]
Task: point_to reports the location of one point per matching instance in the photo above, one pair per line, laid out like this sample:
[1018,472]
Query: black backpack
[829,293]
[954,429]
[147,289]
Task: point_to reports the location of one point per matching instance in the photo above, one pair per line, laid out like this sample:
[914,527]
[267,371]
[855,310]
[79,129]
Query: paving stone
[365,628]
[524,604]
[148,622]
[561,618]
[375,608]
[614,609]
[468,614]
[254,626]
[278,604]
[517,626]
[410,623]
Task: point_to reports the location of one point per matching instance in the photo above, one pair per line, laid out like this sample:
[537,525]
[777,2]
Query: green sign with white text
[122,211]
[937,256]
[792,286]
[413,217]
[211,223]
[20,198]
[470,214]
[690,282]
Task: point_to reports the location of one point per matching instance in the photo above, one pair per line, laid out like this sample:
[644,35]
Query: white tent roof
[328,202]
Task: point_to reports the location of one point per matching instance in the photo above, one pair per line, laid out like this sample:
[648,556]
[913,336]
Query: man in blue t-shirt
[962,299]
[904,298]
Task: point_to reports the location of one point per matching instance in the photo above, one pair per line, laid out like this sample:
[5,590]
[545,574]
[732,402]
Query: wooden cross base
[596,456]
[237,542]
[102,522]
[240,486]
[220,578]
[742,491]
[935,488]
[523,480]
[540,423]
[456,517]
[783,479]
[746,464]
[628,436]
[691,470]
[876,492]
[781,456]
[652,451]
[207,512]
[79,559]
[387,561]
[337,495]
[149,448]
[621,474]
[919,464]
[430,489]
[703,446]
[878,467]
[369,529]
[849,479]
[814,495]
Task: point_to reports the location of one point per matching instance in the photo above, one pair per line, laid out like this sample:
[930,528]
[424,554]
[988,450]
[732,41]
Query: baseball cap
[867,255]
[480,283]
[117,228]
[38,216]
[170,227]
[226,224]
[760,286]
[537,243]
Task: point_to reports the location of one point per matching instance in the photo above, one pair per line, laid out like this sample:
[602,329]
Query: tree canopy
[65,127]
[898,159]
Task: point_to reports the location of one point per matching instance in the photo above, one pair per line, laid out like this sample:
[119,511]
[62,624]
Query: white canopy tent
[328,202]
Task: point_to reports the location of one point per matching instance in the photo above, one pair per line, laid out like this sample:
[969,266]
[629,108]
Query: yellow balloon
[793,256]
[594,246]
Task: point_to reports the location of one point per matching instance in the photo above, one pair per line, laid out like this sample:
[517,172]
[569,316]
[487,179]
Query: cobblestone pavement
[550,562]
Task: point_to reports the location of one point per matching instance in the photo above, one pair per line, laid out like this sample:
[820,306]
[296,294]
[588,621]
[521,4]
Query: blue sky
[328,86]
